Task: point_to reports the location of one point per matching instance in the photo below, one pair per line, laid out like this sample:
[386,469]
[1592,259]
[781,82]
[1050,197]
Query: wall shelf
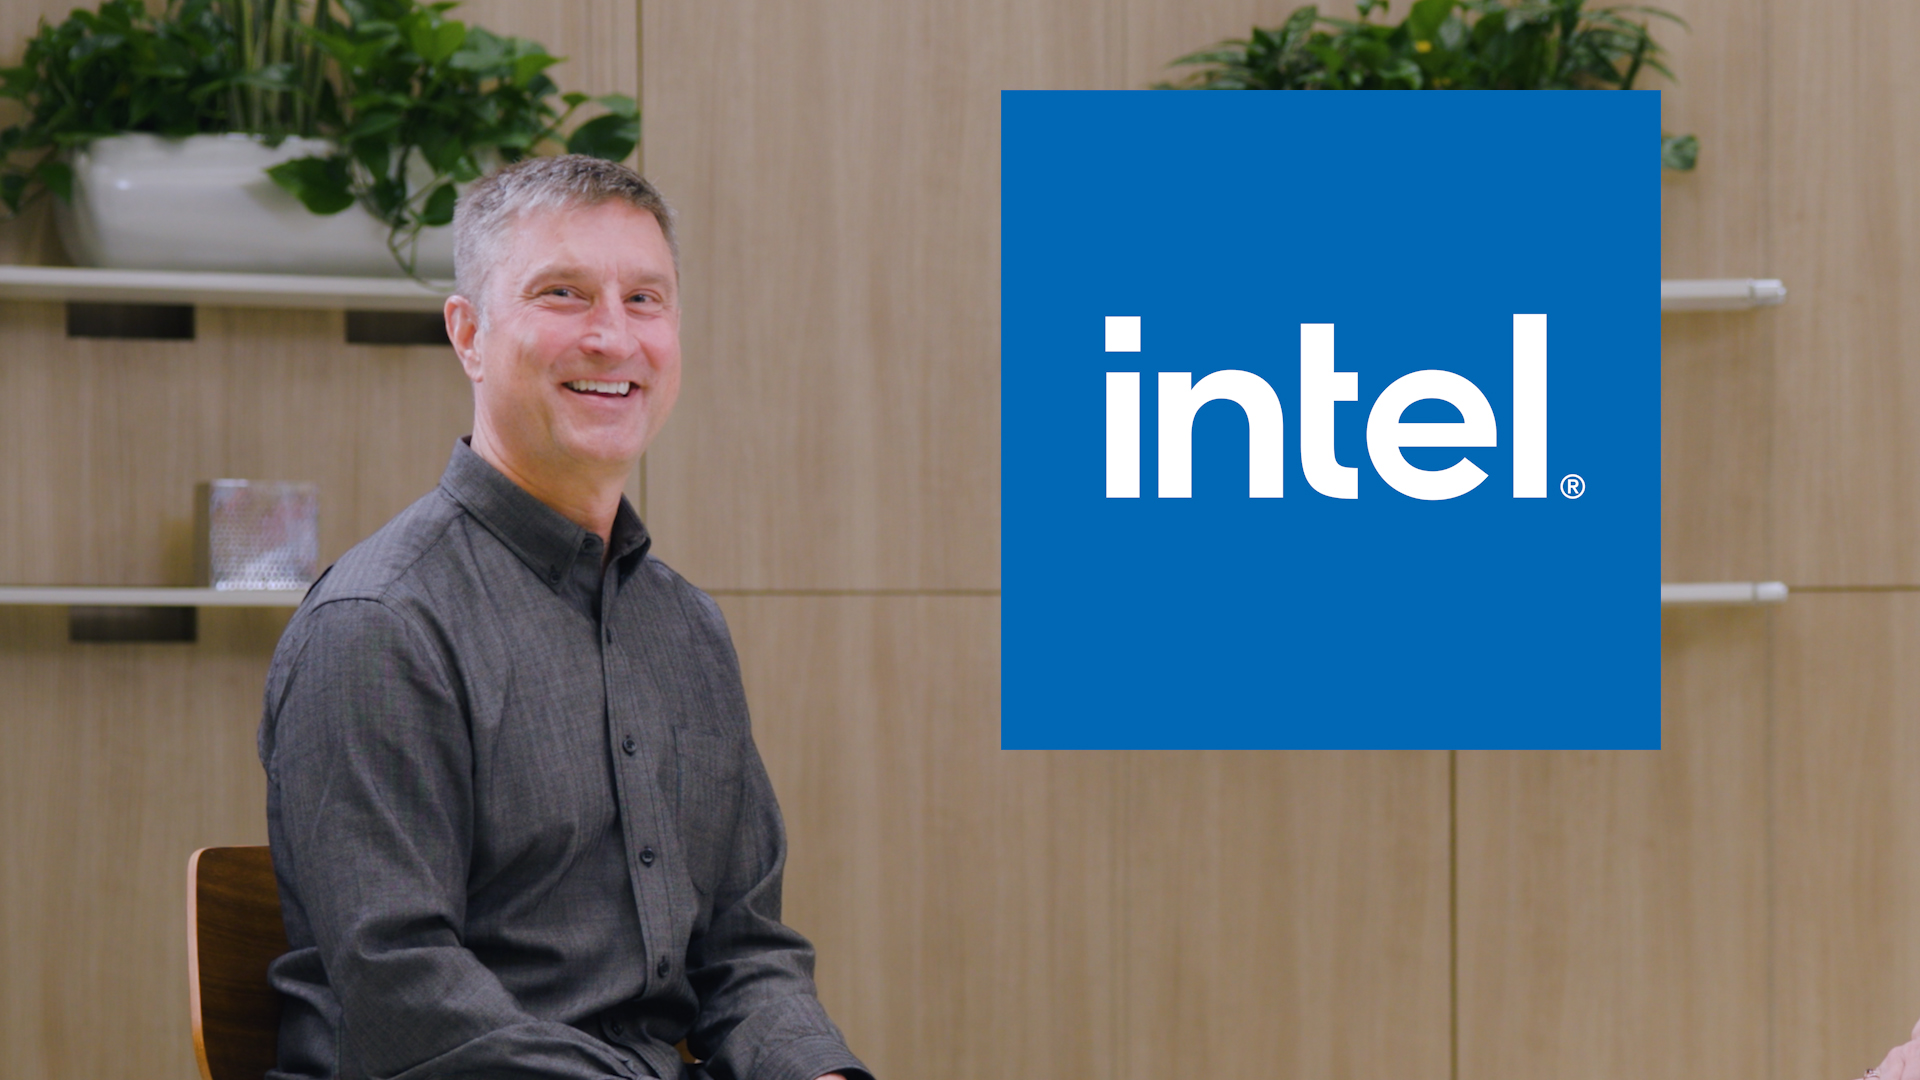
[144,596]
[1699,592]
[94,285]
[1722,592]
[1721,294]
[89,284]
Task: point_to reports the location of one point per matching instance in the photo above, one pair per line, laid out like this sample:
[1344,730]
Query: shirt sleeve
[760,1017]
[369,764]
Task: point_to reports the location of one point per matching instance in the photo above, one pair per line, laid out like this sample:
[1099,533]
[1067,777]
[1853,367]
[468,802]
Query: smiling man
[519,823]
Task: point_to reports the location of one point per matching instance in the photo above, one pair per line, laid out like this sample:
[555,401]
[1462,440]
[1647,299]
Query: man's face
[578,364]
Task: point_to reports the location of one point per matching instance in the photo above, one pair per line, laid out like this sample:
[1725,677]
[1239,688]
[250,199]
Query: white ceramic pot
[141,202]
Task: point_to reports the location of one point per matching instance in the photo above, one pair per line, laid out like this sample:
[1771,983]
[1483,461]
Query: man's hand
[1903,1061]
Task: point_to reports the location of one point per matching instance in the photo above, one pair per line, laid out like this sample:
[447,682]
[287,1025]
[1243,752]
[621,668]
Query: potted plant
[1447,45]
[250,135]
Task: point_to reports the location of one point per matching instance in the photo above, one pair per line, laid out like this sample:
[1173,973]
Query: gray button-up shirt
[519,823]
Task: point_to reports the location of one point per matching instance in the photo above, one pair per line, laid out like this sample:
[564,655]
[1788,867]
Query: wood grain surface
[1612,905]
[1284,913]
[1846,823]
[1742,902]
[1844,225]
[1084,914]
[119,761]
[234,934]
[839,198]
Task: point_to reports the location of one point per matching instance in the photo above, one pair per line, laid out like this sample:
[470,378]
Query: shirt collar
[535,532]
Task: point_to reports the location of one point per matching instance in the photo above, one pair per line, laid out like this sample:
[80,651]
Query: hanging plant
[413,102]
[1448,45]
[426,103]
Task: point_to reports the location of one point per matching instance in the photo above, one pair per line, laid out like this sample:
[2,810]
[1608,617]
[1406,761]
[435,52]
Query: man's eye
[641,298]
[560,290]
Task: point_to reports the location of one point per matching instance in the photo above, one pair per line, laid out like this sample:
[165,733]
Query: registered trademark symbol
[1572,486]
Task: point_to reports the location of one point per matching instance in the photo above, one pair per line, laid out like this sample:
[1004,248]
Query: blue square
[1330,420]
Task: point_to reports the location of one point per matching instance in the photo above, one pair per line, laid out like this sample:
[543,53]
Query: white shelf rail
[142,596]
[403,294]
[1721,294]
[1723,592]
[89,284]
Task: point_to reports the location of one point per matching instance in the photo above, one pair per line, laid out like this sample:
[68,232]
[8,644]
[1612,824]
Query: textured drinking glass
[258,534]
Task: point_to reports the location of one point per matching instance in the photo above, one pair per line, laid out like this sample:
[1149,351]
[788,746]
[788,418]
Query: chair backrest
[233,932]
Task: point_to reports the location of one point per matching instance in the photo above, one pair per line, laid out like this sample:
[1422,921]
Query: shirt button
[646,856]
[618,1028]
[629,745]
[553,574]
[662,968]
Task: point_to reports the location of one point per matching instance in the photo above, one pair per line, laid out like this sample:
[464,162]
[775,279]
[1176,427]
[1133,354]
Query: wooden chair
[233,932]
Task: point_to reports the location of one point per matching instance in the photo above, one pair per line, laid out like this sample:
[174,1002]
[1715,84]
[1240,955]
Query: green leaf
[611,137]
[13,187]
[390,198]
[57,175]
[17,82]
[1679,152]
[441,149]
[619,105]
[531,64]
[441,41]
[1423,22]
[439,208]
[373,154]
[374,123]
[322,184]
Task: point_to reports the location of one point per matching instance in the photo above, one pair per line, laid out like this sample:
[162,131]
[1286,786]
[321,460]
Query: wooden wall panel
[1062,914]
[839,198]
[1718,370]
[838,421]
[1846,818]
[119,761]
[1612,904]
[1085,914]
[105,439]
[1713,218]
[1612,907]
[1284,914]
[961,897]
[1845,142]
[1717,437]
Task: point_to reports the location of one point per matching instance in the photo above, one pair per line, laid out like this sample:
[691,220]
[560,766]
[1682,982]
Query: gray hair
[489,209]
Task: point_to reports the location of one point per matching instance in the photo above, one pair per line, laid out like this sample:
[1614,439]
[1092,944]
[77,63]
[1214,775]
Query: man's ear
[463,326]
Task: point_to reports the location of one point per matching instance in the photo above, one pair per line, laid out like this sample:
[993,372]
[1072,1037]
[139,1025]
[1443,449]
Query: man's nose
[608,331]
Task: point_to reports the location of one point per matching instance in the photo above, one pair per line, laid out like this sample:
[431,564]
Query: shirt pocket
[708,772]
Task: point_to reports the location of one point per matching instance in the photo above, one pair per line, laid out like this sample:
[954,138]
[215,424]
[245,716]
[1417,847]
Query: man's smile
[599,388]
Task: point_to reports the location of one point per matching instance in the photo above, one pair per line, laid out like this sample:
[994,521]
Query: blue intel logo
[1320,387]
[1448,548]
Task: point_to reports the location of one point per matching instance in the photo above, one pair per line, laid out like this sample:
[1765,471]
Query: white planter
[141,202]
